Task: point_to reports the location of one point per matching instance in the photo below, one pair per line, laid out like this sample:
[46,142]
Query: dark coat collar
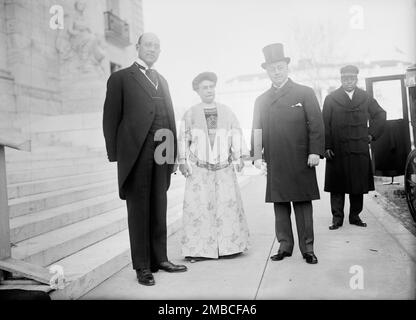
[359,97]
[147,86]
[141,79]
[273,94]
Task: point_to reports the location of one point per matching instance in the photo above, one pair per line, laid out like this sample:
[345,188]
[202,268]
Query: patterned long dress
[214,223]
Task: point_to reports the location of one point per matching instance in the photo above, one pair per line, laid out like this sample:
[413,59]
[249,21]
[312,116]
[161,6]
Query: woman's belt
[212,166]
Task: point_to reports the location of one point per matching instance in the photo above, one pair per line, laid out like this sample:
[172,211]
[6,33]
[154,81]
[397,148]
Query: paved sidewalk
[384,253]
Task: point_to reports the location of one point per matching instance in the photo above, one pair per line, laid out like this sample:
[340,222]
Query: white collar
[143,64]
[350,94]
[209,106]
[281,86]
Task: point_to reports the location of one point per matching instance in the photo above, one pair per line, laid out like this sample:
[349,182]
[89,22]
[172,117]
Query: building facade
[241,92]
[56,56]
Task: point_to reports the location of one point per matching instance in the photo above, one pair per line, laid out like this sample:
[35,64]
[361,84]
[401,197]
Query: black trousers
[337,207]
[146,198]
[304,225]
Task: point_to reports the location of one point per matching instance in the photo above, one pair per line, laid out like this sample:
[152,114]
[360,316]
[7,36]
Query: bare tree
[317,50]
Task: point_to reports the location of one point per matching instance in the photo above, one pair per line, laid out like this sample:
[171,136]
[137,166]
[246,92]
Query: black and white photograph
[207,155]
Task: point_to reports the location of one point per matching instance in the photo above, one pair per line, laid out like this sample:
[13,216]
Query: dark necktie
[152,75]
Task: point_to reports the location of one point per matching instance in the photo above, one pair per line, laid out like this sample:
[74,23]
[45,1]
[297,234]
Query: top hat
[274,53]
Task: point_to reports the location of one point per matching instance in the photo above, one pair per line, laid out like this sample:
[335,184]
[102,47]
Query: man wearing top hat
[288,136]
[346,113]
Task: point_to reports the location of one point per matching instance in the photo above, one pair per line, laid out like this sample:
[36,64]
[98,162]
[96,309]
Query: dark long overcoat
[346,134]
[291,127]
[129,111]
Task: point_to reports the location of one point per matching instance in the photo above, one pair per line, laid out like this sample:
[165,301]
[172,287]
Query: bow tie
[140,66]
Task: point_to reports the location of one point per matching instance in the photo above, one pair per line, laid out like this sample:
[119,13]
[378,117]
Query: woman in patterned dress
[211,149]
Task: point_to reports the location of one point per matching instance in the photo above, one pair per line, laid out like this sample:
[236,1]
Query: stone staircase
[65,210]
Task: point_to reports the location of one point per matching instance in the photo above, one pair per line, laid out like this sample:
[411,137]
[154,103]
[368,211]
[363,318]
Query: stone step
[68,122]
[34,224]
[91,266]
[74,137]
[7,119]
[19,190]
[20,176]
[39,164]
[55,245]
[53,199]
[25,121]
[51,153]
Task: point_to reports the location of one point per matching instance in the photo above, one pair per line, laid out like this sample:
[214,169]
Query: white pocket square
[297,105]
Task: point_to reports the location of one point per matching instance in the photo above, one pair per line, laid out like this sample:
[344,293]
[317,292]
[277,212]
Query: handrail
[15,142]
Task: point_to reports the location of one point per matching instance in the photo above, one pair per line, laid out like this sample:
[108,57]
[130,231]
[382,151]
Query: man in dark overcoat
[288,136]
[346,113]
[138,114]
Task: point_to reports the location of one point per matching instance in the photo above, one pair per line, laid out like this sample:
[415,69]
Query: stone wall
[7,97]
[53,72]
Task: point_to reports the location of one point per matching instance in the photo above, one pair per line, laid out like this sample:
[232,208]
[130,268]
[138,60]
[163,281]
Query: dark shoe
[358,223]
[280,256]
[335,226]
[310,258]
[169,267]
[145,277]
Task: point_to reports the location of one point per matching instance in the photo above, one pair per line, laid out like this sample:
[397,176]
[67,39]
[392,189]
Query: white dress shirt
[281,86]
[144,64]
[350,94]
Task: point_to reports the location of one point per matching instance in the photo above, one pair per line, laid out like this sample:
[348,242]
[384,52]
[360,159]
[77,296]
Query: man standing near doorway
[346,113]
[137,108]
[288,122]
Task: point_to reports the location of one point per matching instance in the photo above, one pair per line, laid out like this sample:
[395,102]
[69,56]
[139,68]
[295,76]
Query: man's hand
[259,164]
[240,166]
[329,154]
[185,169]
[313,160]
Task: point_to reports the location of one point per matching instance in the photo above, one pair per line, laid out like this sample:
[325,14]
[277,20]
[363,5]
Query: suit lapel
[358,98]
[269,97]
[168,101]
[342,98]
[276,95]
[142,80]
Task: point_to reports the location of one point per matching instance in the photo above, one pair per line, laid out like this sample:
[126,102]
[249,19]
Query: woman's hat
[211,76]
[274,53]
